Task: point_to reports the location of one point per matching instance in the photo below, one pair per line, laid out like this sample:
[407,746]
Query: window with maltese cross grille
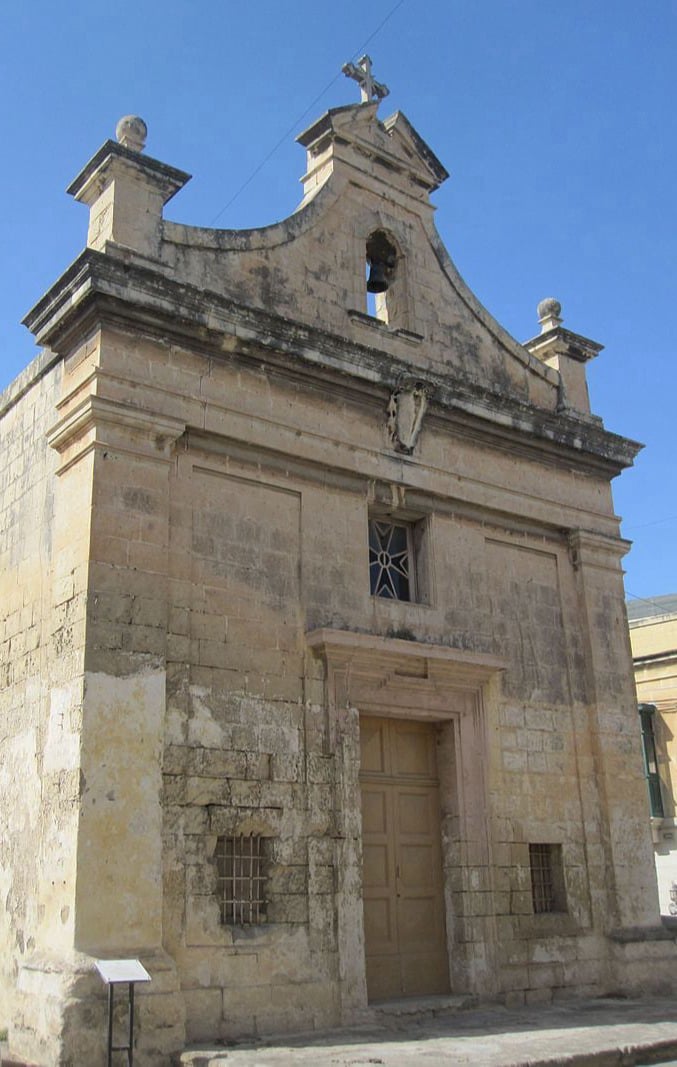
[390,560]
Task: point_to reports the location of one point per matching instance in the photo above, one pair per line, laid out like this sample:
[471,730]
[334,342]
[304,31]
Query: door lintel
[411,664]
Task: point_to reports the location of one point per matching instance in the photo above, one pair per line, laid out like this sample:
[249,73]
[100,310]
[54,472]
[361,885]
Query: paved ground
[585,1033]
[605,1032]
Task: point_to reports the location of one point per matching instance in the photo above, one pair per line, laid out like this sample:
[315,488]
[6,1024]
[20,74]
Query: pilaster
[112,502]
[622,870]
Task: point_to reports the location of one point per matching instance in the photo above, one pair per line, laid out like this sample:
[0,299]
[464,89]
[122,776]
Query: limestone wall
[222,513]
[258,554]
[37,619]
[192,638]
[264,546]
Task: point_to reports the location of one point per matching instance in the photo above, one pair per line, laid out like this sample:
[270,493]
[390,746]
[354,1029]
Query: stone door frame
[390,677]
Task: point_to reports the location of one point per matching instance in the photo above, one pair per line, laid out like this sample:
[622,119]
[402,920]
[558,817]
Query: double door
[405,938]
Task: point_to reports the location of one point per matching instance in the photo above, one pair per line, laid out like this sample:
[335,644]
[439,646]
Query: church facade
[317,674]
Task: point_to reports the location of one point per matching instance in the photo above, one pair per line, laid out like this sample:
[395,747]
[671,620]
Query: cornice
[97,423]
[574,345]
[100,287]
[591,549]
[358,126]
[169,179]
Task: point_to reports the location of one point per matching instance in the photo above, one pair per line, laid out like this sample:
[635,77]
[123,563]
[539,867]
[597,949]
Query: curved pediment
[355,286]
[365,177]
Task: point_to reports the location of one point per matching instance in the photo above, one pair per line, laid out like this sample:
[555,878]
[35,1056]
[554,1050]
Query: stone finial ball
[549,308]
[131,131]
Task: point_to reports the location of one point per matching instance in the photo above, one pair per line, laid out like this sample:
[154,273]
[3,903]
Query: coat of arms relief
[406,408]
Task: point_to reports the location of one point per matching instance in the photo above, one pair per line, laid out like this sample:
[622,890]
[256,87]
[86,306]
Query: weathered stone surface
[189,635]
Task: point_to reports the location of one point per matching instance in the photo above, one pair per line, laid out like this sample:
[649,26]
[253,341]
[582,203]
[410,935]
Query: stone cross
[369,87]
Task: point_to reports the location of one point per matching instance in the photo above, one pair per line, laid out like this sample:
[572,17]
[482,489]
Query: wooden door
[405,939]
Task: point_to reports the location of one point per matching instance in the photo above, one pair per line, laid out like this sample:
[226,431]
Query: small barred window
[390,560]
[241,864]
[547,878]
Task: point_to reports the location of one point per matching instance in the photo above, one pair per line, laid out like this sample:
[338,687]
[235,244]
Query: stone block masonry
[193,651]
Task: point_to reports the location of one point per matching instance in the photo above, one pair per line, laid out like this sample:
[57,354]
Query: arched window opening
[381,275]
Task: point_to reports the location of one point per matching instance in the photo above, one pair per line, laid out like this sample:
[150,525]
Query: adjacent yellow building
[653,636]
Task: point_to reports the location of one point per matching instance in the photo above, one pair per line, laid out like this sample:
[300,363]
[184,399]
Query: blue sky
[555,120]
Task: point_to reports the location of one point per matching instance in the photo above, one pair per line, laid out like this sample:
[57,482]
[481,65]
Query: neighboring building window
[646,716]
[547,878]
[241,879]
[391,570]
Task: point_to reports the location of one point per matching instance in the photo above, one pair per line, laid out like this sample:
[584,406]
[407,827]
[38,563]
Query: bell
[377,281]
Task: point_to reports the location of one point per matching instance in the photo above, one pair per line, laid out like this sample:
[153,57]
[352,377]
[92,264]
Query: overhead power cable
[654,522]
[356,55]
[644,599]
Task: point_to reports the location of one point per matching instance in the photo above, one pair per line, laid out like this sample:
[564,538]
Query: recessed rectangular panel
[414,750]
[416,865]
[373,810]
[384,977]
[246,539]
[418,923]
[415,813]
[375,866]
[424,973]
[379,929]
[372,746]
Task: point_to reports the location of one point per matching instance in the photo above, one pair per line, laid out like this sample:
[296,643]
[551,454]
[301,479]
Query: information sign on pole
[120,972]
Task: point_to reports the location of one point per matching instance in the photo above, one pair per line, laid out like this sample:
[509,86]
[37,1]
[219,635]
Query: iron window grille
[391,572]
[547,878]
[646,717]
[241,879]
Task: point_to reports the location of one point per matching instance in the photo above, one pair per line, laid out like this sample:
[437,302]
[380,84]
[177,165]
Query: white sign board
[122,971]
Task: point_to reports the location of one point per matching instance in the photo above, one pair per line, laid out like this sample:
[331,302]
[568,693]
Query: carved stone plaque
[406,408]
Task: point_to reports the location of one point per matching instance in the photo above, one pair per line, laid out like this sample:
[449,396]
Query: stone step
[404,1012]
[597,1032]
[206,1057]
[411,1009]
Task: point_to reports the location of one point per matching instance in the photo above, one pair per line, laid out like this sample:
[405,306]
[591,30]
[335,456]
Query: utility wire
[644,599]
[655,522]
[288,133]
